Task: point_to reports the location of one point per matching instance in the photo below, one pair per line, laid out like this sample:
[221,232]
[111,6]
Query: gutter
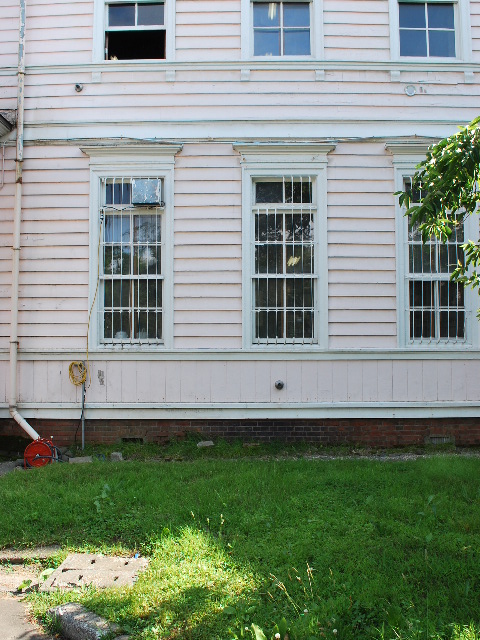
[17,217]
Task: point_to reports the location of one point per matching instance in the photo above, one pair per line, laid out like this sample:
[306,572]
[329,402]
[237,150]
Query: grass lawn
[342,549]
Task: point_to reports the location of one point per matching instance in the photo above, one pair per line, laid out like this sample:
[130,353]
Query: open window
[135,31]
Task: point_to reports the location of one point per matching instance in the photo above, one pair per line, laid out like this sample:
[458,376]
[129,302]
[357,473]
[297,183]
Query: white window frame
[143,161]
[316,33]
[100,23]
[264,160]
[406,156]
[463,40]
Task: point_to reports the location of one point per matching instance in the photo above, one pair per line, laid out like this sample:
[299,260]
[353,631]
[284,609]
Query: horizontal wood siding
[59,32]
[219,97]
[361,247]
[208,240]
[354,32]
[6,229]
[207,30]
[9,29]
[54,267]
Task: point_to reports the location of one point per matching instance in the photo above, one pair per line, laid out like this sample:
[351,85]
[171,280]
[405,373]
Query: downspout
[17,217]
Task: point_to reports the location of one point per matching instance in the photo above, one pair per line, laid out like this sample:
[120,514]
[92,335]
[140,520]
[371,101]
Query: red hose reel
[39,453]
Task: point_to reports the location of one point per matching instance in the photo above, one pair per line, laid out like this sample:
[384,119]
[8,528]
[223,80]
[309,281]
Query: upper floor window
[281,29]
[427,29]
[135,30]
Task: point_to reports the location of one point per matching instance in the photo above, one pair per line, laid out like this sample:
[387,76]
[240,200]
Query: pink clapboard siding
[361,247]
[208,240]
[352,33]
[164,383]
[59,32]
[207,30]
[9,27]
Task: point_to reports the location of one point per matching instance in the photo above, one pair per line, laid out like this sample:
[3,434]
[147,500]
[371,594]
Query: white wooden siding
[54,267]
[9,28]
[354,33]
[162,385]
[208,276]
[475,28]
[207,30]
[59,32]
[361,247]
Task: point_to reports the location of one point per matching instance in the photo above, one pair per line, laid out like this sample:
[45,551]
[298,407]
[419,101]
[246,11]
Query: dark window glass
[296,42]
[413,43]
[440,16]
[266,42]
[136,45]
[442,44]
[412,15]
[121,15]
[266,14]
[296,15]
[150,14]
[268,192]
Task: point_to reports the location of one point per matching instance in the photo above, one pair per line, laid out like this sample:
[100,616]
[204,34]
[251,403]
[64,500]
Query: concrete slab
[6,467]
[12,577]
[20,556]
[14,623]
[80,460]
[84,569]
[76,623]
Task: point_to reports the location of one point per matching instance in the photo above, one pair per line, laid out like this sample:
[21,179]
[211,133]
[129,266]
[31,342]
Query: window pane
[412,15]
[150,14]
[296,42]
[413,43]
[268,192]
[442,44]
[266,14]
[296,14]
[440,16]
[302,191]
[266,42]
[121,15]
[136,45]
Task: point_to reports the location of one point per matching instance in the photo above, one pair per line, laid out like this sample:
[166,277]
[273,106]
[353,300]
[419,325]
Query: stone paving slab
[14,623]
[76,623]
[84,569]
[19,556]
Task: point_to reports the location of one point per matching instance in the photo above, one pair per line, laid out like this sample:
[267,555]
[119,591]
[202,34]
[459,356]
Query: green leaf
[46,573]
[258,633]
[229,611]
[24,585]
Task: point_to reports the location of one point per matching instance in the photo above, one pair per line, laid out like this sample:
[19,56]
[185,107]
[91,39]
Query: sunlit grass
[368,549]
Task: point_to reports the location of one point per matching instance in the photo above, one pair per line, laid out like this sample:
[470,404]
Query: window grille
[284,281]
[131,275]
[436,306]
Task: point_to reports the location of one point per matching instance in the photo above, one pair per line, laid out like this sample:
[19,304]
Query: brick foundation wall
[390,432]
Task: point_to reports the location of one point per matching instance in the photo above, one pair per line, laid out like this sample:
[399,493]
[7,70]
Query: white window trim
[156,161]
[316,34]
[276,160]
[463,38]
[406,156]
[100,23]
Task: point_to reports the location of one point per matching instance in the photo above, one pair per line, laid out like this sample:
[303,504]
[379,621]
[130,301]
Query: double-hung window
[281,28]
[135,30]
[284,278]
[131,245]
[284,203]
[131,272]
[427,29]
[436,306]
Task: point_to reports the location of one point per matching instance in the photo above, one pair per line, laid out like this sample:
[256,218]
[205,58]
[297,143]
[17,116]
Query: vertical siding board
[293,382]
[339,379]
[415,381]
[203,381]
[96,392]
[40,382]
[400,380]
[445,391]
[385,380]
[278,371]
[173,381]
[55,382]
[25,382]
[459,381]
[354,381]
[219,382]
[233,381]
[310,381]
[264,384]
[127,392]
[430,381]
[321,381]
[370,381]
[188,373]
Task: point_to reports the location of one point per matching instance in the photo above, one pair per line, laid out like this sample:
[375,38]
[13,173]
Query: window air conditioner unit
[147,192]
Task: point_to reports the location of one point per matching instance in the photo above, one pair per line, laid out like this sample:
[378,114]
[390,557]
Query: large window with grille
[284,274]
[436,306]
[131,274]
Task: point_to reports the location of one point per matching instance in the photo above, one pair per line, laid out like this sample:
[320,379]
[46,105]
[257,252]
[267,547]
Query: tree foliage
[447,181]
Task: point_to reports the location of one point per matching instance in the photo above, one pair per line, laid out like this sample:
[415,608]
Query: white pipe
[17,217]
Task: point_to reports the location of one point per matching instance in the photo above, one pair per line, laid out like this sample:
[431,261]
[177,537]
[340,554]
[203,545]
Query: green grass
[343,549]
